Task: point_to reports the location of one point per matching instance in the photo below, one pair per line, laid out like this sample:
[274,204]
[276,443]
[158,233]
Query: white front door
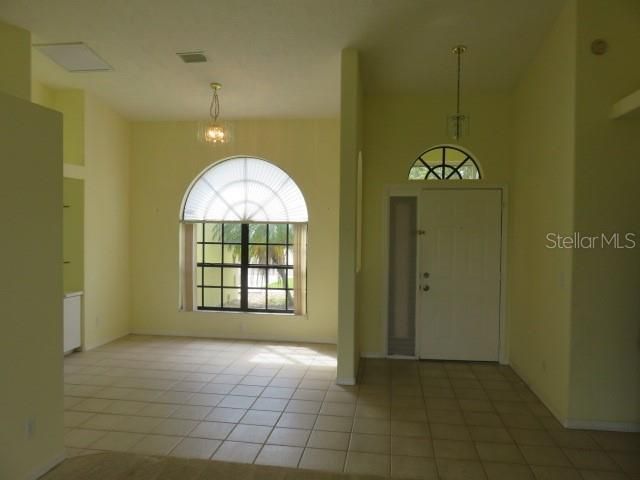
[460,257]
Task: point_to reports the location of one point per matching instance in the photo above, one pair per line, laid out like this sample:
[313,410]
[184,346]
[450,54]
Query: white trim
[46,467]
[346,381]
[258,338]
[373,355]
[388,357]
[412,189]
[70,170]
[578,424]
[598,425]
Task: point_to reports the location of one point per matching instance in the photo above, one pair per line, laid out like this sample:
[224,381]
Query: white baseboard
[258,338]
[390,357]
[41,470]
[346,381]
[607,426]
[86,348]
[373,355]
[580,424]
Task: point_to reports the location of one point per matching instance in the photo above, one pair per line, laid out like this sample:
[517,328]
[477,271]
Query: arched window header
[445,162]
[244,189]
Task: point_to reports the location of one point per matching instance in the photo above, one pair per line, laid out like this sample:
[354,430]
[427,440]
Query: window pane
[277,255]
[256,298]
[232,254]
[212,232]
[277,299]
[211,276]
[469,172]
[277,277]
[291,300]
[433,157]
[231,297]
[199,249]
[199,297]
[290,277]
[258,233]
[290,256]
[199,227]
[455,157]
[198,275]
[232,233]
[212,253]
[211,297]
[258,254]
[419,172]
[292,234]
[448,170]
[257,277]
[278,233]
[231,277]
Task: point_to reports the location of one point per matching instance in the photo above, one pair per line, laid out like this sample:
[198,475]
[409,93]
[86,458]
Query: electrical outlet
[30,427]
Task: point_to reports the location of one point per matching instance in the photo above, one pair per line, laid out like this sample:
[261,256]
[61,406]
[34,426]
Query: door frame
[406,190]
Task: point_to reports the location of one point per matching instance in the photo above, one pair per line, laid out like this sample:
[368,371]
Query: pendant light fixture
[214,131]
[458,123]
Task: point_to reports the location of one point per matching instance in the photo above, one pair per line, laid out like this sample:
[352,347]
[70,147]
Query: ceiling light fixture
[214,131]
[458,123]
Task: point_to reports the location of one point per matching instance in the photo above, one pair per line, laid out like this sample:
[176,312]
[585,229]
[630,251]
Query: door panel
[461,250]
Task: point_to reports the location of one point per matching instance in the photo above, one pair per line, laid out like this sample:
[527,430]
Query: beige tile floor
[278,404]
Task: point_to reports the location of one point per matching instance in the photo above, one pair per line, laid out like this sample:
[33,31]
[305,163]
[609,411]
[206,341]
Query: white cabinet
[72,321]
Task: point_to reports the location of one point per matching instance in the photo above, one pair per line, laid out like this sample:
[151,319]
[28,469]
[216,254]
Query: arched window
[445,162]
[244,223]
[244,189]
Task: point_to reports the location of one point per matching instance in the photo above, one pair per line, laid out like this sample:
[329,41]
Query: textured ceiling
[280,58]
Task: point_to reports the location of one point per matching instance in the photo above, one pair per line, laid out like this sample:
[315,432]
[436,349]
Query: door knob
[425,288]
[425,274]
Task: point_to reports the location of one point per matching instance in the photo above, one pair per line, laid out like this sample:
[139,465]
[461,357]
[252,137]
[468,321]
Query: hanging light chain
[458,50]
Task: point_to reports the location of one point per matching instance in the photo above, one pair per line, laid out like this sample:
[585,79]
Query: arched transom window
[244,189]
[445,162]
[244,227]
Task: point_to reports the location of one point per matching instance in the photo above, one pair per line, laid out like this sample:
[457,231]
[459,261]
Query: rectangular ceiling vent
[192,57]
[74,57]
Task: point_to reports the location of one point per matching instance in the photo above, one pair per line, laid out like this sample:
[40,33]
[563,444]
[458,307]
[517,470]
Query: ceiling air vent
[192,57]
[74,57]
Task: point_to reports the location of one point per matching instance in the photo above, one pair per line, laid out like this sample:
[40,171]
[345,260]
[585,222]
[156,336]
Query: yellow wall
[605,367]
[350,145]
[166,157]
[397,129]
[542,202]
[31,288]
[71,103]
[15,61]
[107,288]
[73,234]
[41,94]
